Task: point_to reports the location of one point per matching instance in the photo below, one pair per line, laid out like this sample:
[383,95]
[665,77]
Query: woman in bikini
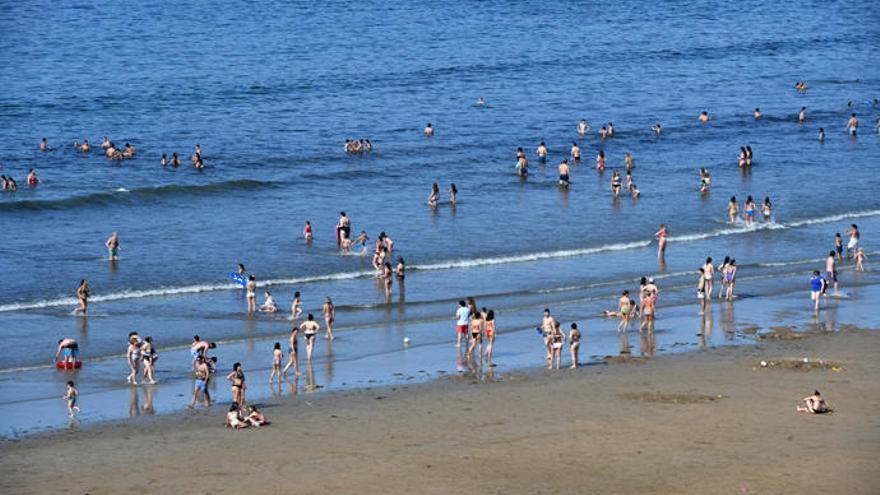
[251,294]
[490,336]
[277,356]
[661,236]
[647,313]
[616,183]
[750,209]
[82,294]
[767,210]
[476,329]
[134,358]
[329,312]
[557,342]
[296,307]
[814,404]
[434,196]
[149,356]
[237,379]
[310,328]
[624,308]
[292,351]
[600,161]
[574,344]
[730,276]
[732,209]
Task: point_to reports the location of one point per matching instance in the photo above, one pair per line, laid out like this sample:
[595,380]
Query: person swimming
[704,117]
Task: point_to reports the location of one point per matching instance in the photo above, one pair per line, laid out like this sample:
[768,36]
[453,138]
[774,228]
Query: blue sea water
[271,91]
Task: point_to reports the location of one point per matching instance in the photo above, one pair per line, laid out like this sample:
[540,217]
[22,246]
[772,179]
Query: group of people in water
[8,184]
[356,146]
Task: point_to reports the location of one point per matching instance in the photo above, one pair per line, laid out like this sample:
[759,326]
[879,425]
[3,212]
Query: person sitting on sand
[233,417]
[814,404]
[269,306]
[255,417]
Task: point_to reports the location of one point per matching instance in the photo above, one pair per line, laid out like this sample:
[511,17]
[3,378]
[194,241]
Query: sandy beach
[704,422]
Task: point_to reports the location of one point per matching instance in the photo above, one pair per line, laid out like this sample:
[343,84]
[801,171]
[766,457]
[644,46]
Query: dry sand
[705,422]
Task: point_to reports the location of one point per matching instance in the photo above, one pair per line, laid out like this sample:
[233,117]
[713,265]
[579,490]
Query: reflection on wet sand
[647,342]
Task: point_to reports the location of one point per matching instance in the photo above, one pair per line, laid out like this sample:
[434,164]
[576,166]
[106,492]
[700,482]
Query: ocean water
[271,92]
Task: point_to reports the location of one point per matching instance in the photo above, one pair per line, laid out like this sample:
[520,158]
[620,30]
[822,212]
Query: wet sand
[713,421]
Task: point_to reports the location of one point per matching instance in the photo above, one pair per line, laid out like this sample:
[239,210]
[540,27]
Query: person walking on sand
[238,386]
[661,236]
[817,288]
[200,388]
[277,356]
[709,275]
[82,295]
[329,312]
[251,294]
[831,270]
[624,308]
[462,317]
[310,329]
[548,323]
[293,347]
[574,344]
[838,245]
[70,397]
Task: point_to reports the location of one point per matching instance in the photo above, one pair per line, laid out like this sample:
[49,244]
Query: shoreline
[601,419]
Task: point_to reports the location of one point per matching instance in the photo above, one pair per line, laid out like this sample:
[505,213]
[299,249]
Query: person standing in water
[732,209]
[852,125]
[860,260]
[251,294]
[583,127]
[854,237]
[70,348]
[661,236]
[704,117]
[277,356]
[750,209]
[70,396]
[575,152]
[564,174]
[817,288]
[557,342]
[307,231]
[624,308]
[343,227]
[831,270]
[757,114]
[476,328]
[329,312]
[113,246]
[429,130]
[542,152]
[730,276]
[802,115]
[453,191]
[82,295]
[767,209]
[293,344]
[310,329]
[701,291]
[434,196]
[709,275]
[600,161]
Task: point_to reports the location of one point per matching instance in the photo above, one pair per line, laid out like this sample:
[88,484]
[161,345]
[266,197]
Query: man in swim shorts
[462,318]
[564,174]
[852,125]
[113,246]
[70,348]
[200,387]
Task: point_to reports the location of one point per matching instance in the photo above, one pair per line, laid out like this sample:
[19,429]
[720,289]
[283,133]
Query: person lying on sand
[815,404]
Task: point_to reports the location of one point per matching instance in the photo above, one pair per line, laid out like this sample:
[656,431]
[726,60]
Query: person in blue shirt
[817,287]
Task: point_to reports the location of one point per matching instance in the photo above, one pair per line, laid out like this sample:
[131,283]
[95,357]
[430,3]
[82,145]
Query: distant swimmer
[164,160]
[801,86]
[197,154]
[634,191]
[480,101]
[70,349]
[603,132]
[542,151]
[741,162]
[307,231]
[564,174]
[113,246]
[661,236]
[854,237]
[767,209]
[705,180]
[802,115]
[105,143]
[269,305]
[758,114]
[32,179]
[434,196]
[852,125]
[429,130]
[600,161]
[583,127]
[657,129]
[821,134]
[704,117]
[175,160]
[877,126]
[10,184]
[749,155]
[629,181]
[70,396]
[129,150]
[44,145]
[610,129]
[629,161]
[522,166]
[453,192]
[85,147]
[82,295]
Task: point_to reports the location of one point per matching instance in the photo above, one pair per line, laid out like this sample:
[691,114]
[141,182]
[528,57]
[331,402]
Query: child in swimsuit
[70,397]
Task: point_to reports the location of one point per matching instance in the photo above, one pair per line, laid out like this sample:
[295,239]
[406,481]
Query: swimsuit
[563,177]
[201,385]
